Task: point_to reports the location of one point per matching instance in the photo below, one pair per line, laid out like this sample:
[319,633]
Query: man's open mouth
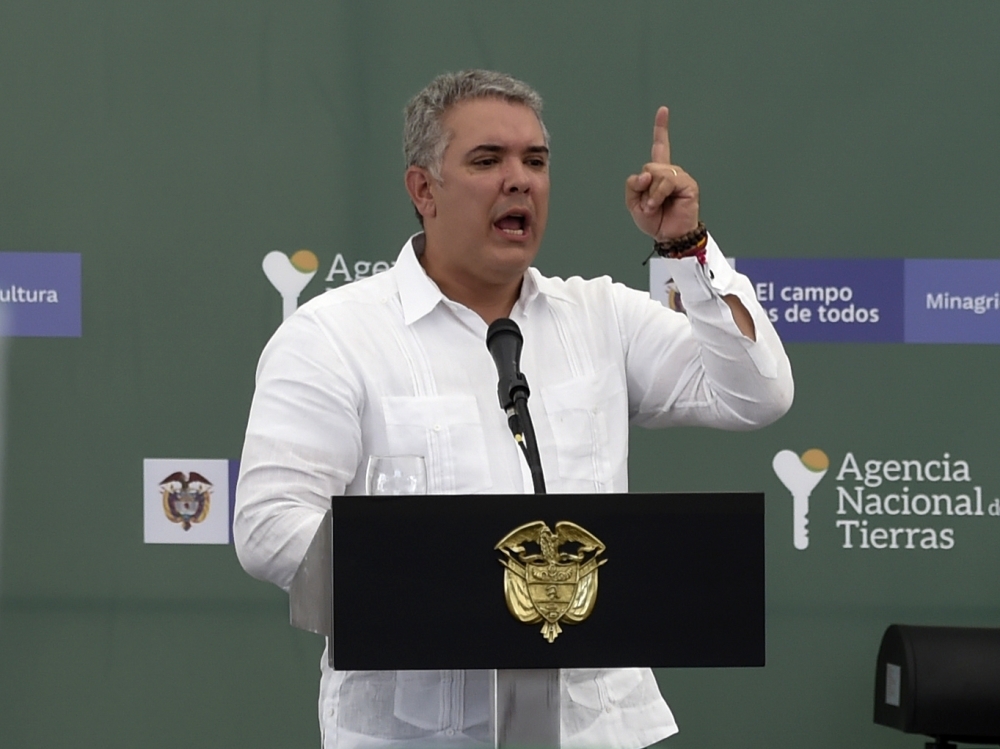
[514,223]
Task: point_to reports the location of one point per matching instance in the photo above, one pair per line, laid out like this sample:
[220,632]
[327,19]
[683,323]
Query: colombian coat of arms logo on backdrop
[543,583]
[186,498]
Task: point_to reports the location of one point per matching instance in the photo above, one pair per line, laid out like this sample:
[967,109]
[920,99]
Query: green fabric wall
[174,144]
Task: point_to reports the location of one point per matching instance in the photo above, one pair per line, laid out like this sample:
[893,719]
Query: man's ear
[418,185]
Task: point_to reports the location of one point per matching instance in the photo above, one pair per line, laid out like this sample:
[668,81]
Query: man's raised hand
[662,198]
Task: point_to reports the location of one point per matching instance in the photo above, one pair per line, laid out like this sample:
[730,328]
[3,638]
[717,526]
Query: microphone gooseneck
[504,341]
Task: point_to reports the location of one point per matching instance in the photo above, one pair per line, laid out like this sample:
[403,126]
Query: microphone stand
[525,703]
[524,434]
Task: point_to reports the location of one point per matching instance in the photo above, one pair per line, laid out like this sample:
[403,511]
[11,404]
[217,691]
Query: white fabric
[388,365]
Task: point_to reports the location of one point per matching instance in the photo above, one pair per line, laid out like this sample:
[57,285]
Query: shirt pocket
[589,420]
[599,690]
[447,431]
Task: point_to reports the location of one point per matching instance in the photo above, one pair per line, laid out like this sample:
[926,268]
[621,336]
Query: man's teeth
[519,232]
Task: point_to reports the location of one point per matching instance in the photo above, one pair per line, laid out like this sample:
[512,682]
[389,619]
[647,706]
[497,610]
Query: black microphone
[504,341]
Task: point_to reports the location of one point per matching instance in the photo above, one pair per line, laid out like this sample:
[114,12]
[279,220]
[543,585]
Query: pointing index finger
[661,138]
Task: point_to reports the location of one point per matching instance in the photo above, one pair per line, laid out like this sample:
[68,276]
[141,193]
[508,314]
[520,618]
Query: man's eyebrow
[494,148]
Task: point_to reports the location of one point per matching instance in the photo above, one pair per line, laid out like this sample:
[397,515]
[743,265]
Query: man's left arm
[726,367]
[702,369]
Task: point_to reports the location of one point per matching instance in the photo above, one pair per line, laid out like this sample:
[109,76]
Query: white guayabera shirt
[389,366]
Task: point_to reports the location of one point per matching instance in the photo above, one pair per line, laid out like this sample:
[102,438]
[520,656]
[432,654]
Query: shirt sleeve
[303,445]
[701,370]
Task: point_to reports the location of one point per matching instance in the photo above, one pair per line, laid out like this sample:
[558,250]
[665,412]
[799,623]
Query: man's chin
[513,260]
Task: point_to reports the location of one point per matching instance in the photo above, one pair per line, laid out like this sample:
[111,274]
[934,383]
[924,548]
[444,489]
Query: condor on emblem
[545,584]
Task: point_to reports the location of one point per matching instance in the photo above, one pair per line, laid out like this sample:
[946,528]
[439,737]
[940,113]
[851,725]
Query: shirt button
[450,732]
[437,427]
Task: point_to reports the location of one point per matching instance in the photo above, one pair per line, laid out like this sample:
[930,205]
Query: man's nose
[516,177]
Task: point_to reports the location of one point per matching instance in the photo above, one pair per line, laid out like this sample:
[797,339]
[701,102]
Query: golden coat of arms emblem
[542,582]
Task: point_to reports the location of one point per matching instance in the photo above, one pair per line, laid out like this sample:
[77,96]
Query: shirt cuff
[699,283]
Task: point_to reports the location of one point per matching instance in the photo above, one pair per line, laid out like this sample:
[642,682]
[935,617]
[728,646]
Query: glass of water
[396,474]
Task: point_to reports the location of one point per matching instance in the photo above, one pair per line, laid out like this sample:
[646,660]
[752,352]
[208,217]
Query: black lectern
[417,582]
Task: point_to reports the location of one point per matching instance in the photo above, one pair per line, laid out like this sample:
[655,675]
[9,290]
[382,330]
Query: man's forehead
[493,122]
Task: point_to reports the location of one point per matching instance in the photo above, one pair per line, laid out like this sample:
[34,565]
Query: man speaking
[397,364]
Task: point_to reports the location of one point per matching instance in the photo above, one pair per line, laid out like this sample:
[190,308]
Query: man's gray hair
[424,137]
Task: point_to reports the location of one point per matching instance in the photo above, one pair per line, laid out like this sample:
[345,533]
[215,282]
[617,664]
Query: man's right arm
[303,445]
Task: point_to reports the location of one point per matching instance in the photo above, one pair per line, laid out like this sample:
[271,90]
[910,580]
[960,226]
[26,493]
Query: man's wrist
[692,244]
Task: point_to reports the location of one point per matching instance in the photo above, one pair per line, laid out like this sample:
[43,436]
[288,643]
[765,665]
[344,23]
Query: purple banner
[953,301]
[40,294]
[830,300]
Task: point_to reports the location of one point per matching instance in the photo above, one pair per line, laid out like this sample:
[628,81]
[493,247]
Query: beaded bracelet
[686,245]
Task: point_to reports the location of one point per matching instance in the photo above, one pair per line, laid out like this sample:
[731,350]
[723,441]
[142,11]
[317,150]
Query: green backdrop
[174,144]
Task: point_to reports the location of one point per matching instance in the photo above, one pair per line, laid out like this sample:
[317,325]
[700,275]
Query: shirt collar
[535,285]
[417,292]
[419,295]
